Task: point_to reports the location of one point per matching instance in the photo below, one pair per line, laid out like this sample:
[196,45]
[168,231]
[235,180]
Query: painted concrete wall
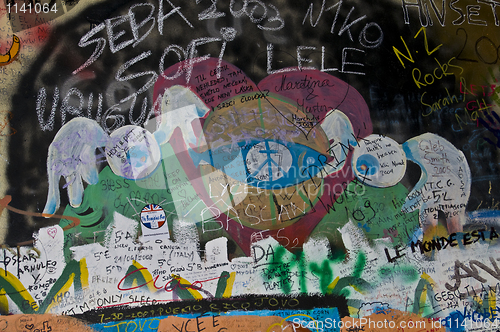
[253,165]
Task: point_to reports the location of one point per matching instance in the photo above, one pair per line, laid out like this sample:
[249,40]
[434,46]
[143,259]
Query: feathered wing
[414,199]
[72,156]
[179,108]
[338,128]
[445,172]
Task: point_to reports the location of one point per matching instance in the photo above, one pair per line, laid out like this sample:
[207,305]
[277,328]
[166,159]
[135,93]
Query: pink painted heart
[52,231]
[311,93]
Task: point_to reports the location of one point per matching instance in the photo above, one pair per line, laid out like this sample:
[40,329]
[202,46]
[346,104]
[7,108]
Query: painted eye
[274,165]
[263,159]
[267,164]
[379,161]
[367,165]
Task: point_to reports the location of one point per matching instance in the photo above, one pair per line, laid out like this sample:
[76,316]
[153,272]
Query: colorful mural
[249,165]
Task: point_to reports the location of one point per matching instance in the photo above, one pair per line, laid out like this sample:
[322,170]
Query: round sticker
[379,161]
[268,161]
[132,152]
[153,216]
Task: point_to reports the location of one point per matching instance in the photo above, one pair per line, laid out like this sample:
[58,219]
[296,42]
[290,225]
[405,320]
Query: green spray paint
[407,273]
[71,270]
[115,194]
[282,263]
[324,273]
[376,211]
[420,305]
[360,265]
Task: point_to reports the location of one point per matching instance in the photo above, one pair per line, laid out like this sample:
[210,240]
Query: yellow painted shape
[183,281]
[332,285]
[18,286]
[8,57]
[66,287]
[147,276]
[423,296]
[84,273]
[4,303]
[229,285]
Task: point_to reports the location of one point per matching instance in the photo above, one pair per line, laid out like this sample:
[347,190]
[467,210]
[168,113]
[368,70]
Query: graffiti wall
[249,165]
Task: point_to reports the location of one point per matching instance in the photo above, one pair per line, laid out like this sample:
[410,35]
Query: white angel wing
[72,155]
[445,172]
[179,108]
[338,128]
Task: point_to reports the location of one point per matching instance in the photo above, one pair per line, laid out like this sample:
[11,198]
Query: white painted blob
[132,152]
[338,129]
[379,161]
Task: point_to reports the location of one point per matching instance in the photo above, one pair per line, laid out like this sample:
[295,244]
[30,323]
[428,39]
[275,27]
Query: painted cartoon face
[267,164]
[262,149]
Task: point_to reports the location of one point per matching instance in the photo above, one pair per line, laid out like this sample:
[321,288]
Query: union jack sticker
[153,216]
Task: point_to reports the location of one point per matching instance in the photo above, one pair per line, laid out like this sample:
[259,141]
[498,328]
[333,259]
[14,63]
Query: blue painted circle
[367,165]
